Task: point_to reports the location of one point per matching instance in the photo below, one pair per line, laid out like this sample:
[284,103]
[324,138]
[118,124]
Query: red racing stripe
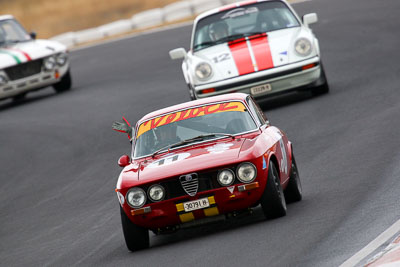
[231,6]
[241,56]
[248,3]
[262,52]
[28,58]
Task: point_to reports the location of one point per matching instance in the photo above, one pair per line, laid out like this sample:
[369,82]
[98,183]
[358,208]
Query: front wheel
[65,84]
[19,97]
[324,87]
[136,237]
[191,93]
[294,191]
[273,200]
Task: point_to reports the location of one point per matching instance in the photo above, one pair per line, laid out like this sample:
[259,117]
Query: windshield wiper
[191,140]
[240,35]
[206,44]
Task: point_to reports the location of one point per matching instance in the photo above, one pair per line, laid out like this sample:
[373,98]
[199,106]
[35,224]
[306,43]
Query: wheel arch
[272,157]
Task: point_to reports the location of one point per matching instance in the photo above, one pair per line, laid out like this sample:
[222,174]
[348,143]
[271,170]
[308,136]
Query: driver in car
[218,30]
[167,135]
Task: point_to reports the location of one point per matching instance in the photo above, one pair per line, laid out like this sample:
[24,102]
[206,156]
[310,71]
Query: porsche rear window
[156,133]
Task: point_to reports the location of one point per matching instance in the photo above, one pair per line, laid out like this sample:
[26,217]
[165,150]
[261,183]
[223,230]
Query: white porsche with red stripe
[27,64]
[257,47]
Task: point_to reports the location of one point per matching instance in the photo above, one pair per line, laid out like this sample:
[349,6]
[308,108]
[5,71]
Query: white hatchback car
[27,64]
[257,47]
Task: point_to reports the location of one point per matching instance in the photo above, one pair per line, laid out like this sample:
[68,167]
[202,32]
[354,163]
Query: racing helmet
[218,30]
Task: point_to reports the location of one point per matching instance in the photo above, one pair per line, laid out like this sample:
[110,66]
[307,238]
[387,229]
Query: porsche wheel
[136,237]
[273,200]
[191,93]
[65,84]
[294,190]
[19,97]
[324,87]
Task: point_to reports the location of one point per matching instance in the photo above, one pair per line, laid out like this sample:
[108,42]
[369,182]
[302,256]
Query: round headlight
[225,177]
[61,59]
[156,193]
[49,63]
[136,197]
[246,172]
[303,47]
[203,71]
[3,80]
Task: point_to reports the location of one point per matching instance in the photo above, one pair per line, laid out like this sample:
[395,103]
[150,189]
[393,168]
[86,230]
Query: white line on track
[373,245]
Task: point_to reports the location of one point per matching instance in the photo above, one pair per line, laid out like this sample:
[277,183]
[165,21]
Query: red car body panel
[258,147]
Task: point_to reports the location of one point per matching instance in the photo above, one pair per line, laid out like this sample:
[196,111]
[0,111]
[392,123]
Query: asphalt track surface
[58,154]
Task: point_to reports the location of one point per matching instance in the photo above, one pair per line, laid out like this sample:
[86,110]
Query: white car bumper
[33,82]
[280,79]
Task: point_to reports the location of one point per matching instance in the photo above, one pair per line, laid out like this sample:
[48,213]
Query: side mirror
[124,161]
[177,53]
[310,19]
[33,35]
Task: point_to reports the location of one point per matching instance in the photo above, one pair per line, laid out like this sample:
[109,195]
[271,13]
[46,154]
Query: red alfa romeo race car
[200,162]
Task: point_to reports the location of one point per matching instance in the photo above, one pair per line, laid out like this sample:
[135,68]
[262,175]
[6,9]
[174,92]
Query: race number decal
[284,165]
[221,57]
[169,160]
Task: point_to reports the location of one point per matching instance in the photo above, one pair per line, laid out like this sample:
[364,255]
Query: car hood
[198,157]
[269,50]
[25,51]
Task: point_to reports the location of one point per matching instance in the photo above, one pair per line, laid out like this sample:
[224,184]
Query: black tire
[294,191]
[65,84]
[324,87]
[273,200]
[136,237]
[192,95]
[19,97]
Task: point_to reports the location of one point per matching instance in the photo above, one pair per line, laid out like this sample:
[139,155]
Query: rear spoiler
[123,127]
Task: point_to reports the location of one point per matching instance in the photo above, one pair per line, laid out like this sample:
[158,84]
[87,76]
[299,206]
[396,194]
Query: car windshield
[12,32]
[192,125]
[241,22]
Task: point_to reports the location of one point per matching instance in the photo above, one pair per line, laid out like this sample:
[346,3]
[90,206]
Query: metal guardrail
[149,18]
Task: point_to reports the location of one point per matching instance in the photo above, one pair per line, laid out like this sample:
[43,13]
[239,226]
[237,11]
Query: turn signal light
[141,211]
[246,187]
[309,66]
[206,91]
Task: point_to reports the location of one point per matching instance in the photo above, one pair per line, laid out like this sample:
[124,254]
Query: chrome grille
[190,183]
[24,70]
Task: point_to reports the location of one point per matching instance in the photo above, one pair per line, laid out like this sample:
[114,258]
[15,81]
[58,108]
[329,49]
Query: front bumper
[34,82]
[280,79]
[162,215]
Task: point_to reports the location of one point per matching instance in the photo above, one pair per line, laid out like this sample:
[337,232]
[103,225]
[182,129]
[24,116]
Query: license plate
[196,204]
[260,89]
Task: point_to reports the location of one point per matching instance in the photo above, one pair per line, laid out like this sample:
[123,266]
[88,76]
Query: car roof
[4,17]
[227,7]
[199,102]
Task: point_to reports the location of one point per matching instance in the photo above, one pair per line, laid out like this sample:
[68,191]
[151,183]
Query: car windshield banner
[188,114]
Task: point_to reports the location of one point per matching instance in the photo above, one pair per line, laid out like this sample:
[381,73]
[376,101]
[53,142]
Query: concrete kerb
[156,17]
[178,10]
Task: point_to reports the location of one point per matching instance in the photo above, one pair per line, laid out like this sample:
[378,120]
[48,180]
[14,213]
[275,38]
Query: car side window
[255,108]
